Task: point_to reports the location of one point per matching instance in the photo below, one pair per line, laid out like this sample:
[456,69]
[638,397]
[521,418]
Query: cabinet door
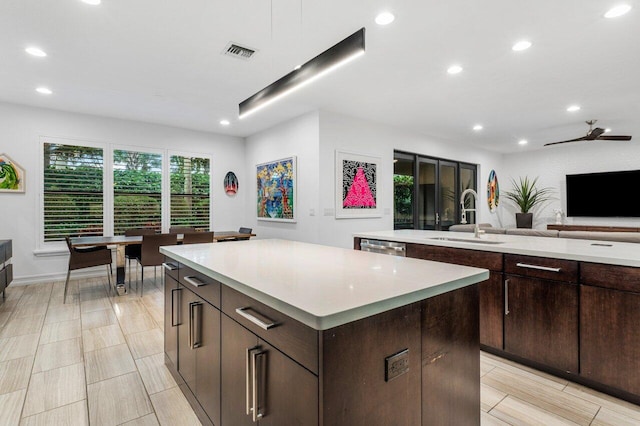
[236,340]
[207,339]
[492,311]
[171,318]
[186,353]
[541,321]
[290,392]
[610,337]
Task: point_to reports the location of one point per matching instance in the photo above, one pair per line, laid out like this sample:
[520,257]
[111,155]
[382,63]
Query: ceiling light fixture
[607,130]
[44,90]
[35,51]
[573,108]
[478,127]
[385,18]
[617,11]
[521,45]
[337,55]
[523,142]
[454,69]
[92,2]
[224,122]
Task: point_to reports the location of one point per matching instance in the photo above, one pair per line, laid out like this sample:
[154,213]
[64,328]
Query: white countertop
[321,286]
[612,253]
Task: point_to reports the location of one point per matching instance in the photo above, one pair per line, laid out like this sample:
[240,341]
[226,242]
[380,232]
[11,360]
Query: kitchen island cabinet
[371,339]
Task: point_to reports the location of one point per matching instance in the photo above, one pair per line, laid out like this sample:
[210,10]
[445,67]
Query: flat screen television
[607,194]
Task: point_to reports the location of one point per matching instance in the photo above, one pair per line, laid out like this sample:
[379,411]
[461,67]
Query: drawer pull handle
[195,325]
[538,267]
[175,306]
[170,266]
[257,321]
[252,386]
[506,297]
[195,281]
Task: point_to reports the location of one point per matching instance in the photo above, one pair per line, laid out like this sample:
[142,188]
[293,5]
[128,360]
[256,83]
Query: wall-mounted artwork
[276,190]
[357,190]
[230,184]
[11,175]
[493,191]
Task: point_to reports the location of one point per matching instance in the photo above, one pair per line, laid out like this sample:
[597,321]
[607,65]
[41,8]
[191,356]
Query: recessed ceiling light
[35,51]
[607,130]
[521,45]
[478,127]
[385,18]
[44,90]
[297,67]
[224,122]
[523,142]
[616,11]
[92,2]
[573,108]
[454,69]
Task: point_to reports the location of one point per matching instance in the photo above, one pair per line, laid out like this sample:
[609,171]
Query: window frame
[167,176]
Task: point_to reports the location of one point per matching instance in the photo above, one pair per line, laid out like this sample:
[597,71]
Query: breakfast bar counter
[284,332]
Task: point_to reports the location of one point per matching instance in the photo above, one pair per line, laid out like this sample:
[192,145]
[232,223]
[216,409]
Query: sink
[466,240]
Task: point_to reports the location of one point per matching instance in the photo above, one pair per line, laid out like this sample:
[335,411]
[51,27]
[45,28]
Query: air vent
[238,51]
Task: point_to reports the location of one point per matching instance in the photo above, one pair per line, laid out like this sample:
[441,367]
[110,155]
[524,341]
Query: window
[73,195]
[137,190]
[190,199]
[427,191]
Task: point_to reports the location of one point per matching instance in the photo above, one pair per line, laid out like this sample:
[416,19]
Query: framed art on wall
[11,175]
[230,184]
[276,190]
[357,191]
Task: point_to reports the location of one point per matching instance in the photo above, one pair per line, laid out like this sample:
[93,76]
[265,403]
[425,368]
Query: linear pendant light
[337,55]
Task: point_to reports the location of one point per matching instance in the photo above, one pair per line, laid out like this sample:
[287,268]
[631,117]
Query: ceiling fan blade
[584,138]
[593,134]
[614,138]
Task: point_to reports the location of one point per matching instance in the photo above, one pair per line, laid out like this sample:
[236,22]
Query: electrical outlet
[396,365]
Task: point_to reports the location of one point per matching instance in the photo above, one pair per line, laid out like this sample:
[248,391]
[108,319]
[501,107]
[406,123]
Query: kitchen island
[288,333]
[570,307]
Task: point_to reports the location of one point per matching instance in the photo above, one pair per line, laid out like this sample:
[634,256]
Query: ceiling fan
[597,134]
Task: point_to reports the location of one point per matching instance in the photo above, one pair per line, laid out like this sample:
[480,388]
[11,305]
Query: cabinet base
[197,408]
[617,393]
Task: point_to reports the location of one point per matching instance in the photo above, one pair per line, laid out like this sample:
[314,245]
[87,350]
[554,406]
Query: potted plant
[526,195]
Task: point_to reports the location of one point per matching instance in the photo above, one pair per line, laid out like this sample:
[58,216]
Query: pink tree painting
[359,185]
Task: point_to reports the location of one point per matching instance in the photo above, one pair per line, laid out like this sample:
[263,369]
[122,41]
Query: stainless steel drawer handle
[194,281]
[252,385]
[170,266]
[257,375]
[175,306]
[195,325]
[506,297]
[538,267]
[257,321]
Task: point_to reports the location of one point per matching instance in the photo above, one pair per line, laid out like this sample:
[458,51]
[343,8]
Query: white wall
[299,137]
[551,164]
[20,131]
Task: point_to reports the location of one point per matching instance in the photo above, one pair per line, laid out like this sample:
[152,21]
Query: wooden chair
[132,251]
[87,257]
[181,229]
[197,237]
[150,252]
[244,231]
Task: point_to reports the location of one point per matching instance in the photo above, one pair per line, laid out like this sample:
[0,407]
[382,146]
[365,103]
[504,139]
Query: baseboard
[47,278]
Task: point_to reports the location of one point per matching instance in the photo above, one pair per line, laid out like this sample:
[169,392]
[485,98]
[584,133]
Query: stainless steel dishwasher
[384,247]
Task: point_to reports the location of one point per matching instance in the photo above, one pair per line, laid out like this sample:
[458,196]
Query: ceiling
[161,61]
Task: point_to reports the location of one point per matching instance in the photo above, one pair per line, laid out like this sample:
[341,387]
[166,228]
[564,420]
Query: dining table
[121,241]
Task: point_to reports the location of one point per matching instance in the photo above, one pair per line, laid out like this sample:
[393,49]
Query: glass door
[403,191]
[428,216]
[468,180]
[447,208]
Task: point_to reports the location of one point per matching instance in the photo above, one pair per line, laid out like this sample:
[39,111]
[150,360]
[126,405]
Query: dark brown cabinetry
[262,385]
[491,291]
[171,307]
[6,268]
[609,319]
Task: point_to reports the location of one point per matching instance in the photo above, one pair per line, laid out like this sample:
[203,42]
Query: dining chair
[87,257]
[181,229]
[197,237]
[132,251]
[150,252]
[243,230]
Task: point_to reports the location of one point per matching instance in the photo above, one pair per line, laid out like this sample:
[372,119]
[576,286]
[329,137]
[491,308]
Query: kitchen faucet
[476,229]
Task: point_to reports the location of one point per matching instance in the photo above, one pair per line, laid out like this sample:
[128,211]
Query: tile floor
[99,360]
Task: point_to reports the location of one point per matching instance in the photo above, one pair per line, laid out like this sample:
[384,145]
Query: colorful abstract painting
[276,190]
[230,184]
[11,175]
[357,192]
[493,191]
